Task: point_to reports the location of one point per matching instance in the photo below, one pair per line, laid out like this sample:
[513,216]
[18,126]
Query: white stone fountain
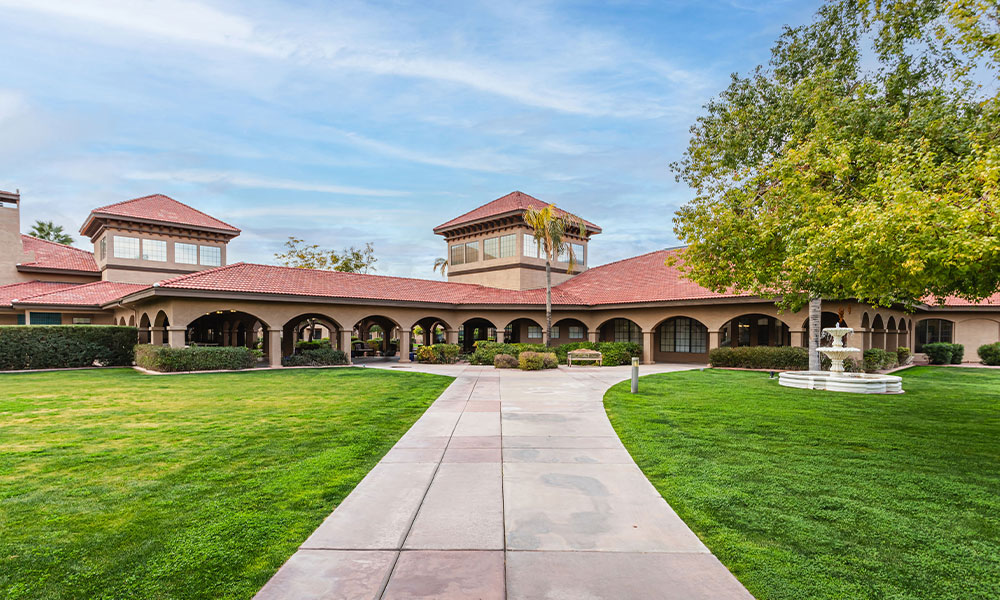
[838,380]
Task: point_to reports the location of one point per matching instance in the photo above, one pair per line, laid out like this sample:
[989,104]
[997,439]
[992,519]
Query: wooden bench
[583,354]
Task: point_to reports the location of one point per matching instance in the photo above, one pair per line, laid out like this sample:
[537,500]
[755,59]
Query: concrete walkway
[511,485]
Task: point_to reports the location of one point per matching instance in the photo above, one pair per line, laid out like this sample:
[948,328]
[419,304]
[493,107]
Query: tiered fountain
[838,380]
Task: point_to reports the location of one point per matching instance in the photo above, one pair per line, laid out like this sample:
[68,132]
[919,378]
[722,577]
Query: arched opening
[681,339]
[620,330]
[227,328]
[475,330]
[902,337]
[891,335]
[524,331]
[878,332]
[131,321]
[375,336]
[931,331]
[567,331]
[309,327]
[145,323]
[826,319]
[429,331]
[159,329]
[754,330]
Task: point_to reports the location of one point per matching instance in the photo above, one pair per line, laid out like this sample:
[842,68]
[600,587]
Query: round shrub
[938,353]
[903,355]
[957,354]
[438,354]
[877,359]
[990,354]
[534,361]
[505,361]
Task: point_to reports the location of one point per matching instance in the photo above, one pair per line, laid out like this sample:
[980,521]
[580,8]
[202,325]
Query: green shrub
[438,354]
[375,343]
[315,357]
[618,353]
[957,354]
[761,357]
[66,346]
[534,361]
[990,354]
[320,343]
[563,350]
[938,353]
[195,358]
[876,359]
[903,355]
[505,361]
[850,365]
[485,351]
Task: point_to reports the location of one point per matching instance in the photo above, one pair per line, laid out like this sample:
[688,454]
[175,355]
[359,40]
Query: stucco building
[162,266]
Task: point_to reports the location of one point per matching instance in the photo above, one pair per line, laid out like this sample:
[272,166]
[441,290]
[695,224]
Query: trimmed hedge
[505,361]
[315,357]
[903,355]
[990,354]
[438,354]
[761,357]
[939,353]
[614,353]
[195,358]
[957,354]
[314,344]
[876,359]
[66,346]
[535,361]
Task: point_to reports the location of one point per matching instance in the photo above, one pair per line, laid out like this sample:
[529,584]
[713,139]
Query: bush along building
[162,266]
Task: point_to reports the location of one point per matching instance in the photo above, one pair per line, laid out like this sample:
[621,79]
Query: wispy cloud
[252,181]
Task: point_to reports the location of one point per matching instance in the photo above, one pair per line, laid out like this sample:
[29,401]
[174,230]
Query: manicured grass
[806,494]
[115,484]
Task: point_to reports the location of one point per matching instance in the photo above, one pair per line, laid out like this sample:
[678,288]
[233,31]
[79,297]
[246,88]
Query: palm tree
[47,230]
[441,263]
[550,230]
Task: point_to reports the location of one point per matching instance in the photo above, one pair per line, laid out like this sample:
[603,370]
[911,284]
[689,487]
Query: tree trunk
[815,332]
[548,301]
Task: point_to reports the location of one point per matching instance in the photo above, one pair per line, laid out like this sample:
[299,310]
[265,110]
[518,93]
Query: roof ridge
[204,214]
[67,246]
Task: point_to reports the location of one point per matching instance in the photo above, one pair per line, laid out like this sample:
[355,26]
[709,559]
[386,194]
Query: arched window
[930,331]
[683,334]
[627,331]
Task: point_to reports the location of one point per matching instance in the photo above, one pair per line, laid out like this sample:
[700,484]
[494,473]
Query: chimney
[11,250]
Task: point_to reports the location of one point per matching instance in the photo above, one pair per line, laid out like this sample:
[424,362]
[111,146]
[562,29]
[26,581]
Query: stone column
[799,338]
[593,336]
[500,334]
[274,347]
[226,335]
[713,339]
[451,336]
[175,336]
[156,336]
[345,343]
[647,348]
[404,346]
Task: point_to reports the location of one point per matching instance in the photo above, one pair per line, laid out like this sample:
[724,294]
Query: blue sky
[346,122]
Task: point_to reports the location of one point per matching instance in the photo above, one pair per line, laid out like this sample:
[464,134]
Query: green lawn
[807,494]
[115,484]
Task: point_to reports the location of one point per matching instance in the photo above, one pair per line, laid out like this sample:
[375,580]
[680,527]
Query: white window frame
[531,248]
[576,332]
[202,259]
[508,245]
[127,243]
[456,252]
[185,254]
[161,250]
[534,332]
[491,248]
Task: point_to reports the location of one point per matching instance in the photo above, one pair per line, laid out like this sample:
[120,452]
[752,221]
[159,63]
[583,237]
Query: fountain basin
[857,383]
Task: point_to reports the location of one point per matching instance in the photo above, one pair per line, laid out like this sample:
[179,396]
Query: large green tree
[311,256]
[862,162]
[47,230]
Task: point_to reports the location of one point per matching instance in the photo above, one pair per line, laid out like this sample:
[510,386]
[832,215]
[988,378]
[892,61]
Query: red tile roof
[93,294]
[511,203]
[26,289]
[954,301]
[50,255]
[643,278]
[270,279]
[161,209]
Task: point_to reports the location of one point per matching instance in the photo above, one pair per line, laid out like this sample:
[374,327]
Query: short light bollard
[635,375]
